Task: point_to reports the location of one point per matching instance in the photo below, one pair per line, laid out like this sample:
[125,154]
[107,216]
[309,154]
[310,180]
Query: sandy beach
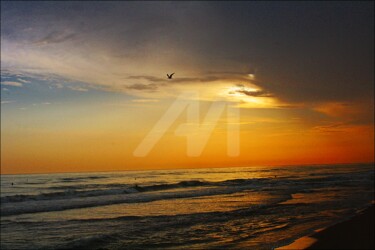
[355,233]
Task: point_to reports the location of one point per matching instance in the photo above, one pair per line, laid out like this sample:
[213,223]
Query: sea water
[216,208]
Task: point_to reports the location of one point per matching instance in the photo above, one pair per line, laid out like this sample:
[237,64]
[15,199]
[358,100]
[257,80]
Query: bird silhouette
[170,76]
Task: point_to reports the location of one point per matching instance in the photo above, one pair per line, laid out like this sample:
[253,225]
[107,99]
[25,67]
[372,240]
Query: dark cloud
[176,79]
[301,52]
[195,79]
[255,93]
[55,37]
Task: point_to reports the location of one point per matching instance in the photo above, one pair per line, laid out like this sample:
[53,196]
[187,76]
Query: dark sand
[355,233]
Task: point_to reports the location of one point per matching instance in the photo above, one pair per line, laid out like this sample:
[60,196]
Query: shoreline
[356,232]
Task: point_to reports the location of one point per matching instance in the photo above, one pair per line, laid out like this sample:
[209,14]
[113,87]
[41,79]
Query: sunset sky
[83,83]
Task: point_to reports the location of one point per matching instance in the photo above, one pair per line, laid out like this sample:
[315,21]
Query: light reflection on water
[204,208]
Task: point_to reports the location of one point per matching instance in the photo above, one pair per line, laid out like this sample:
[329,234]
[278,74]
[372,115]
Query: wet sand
[355,233]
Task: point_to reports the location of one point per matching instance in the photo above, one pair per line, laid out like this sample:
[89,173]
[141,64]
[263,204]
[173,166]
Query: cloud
[59,85]
[77,88]
[178,79]
[6,102]
[23,80]
[134,42]
[20,74]
[43,103]
[145,100]
[107,43]
[139,86]
[12,83]
[248,91]
[255,93]
[342,127]
[148,78]
[339,109]
[55,37]
[355,113]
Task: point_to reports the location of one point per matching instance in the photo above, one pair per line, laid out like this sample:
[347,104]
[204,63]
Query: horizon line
[191,168]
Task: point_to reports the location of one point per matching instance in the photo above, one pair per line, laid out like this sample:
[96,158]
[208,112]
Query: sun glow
[239,90]
[249,96]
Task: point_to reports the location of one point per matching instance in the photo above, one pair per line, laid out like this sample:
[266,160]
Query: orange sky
[105,138]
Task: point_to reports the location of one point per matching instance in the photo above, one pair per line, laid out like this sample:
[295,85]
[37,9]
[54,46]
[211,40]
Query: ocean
[216,208]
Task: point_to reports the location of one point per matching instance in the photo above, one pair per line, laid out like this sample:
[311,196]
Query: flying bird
[170,76]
